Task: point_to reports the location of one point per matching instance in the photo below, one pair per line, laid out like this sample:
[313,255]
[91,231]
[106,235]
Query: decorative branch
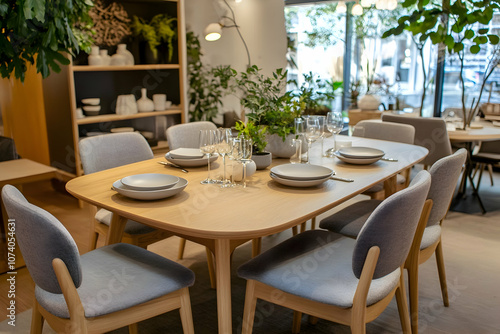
[112,23]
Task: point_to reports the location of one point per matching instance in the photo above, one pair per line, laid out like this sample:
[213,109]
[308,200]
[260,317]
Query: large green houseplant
[461,26]
[41,32]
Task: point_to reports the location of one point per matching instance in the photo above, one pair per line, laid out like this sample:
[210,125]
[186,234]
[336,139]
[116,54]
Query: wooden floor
[471,249]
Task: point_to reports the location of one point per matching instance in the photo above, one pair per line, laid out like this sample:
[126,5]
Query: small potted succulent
[257,133]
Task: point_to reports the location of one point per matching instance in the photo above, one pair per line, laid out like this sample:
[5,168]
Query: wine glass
[235,154]
[312,133]
[208,142]
[224,148]
[322,126]
[334,124]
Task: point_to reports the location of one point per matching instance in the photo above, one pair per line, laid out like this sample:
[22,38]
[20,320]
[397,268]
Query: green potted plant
[316,94]
[257,133]
[462,26]
[42,33]
[207,85]
[268,104]
[160,32]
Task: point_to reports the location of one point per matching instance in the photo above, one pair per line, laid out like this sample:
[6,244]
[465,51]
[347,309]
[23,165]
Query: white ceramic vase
[126,105]
[369,102]
[144,104]
[237,170]
[105,58]
[94,58]
[122,50]
[280,148]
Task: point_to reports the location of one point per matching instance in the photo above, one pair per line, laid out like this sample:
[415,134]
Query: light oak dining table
[224,218]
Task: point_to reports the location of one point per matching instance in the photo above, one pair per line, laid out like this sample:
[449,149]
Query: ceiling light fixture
[357,9]
[341,7]
[214,30]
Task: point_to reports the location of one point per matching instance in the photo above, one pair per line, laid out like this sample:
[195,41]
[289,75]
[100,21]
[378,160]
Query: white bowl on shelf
[93,101]
[91,110]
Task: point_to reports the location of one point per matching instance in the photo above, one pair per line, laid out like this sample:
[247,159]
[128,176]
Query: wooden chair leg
[297,320]
[186,313]
[442,273]
[313,223]
[182,245]
[211,268]
[313,320]
[303,227]
[404,317]
[132,329]
[36,320]
[256,246]
[295,231]
[490,170]
[413,289]
[249,309]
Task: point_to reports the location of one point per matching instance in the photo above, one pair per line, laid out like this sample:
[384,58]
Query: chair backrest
[402,133]
[41,238]
[7,149]
[430,133]
[391,227]
[490,146]
[445,173]
[187,135]
[113,150]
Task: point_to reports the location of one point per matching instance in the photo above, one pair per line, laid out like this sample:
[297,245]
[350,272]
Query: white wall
[262,24]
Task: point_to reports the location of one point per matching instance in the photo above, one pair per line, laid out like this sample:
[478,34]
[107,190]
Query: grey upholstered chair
[487,156]
[445,173]
[401,133]
[337,278]
[112,150]
[102,290]
[430,133]
[187,135]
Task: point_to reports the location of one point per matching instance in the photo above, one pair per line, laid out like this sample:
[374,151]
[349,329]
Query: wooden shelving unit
[64,92]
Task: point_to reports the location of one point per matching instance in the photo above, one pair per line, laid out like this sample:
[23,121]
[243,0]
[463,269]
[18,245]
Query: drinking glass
[334,124]
[246,157]
[208,142]
[297,141]
[235,154]
[224,148]
[322,127]
[312,133]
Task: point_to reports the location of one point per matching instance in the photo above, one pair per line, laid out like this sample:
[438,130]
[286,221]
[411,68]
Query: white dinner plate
[301,171]
[298,183]
[186,153]
[358,152]
[191,162]
[150,181]
[356,161]
[146,195]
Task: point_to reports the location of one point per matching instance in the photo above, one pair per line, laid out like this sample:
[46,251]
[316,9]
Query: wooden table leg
[223,274]
[390,185]
[116,228]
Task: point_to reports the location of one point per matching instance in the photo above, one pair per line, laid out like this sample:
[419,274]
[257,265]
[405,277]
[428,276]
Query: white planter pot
[369,102]
[280,148]
[262,160]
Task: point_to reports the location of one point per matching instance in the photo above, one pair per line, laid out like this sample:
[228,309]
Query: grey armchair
[330,276]
[102,290]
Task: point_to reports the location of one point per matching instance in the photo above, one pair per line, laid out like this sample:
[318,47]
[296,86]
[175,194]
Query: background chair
[430,133]
[141,284]
[8,149]
[187,135]
[444,173]
[487,156]
[108,151]
[401,133]
[336,278]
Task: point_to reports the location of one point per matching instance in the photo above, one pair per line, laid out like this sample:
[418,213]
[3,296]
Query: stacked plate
[189,157]
[300,175]
[359,155]
[150,186]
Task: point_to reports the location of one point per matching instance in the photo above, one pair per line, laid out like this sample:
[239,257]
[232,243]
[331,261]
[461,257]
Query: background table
[224,218]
